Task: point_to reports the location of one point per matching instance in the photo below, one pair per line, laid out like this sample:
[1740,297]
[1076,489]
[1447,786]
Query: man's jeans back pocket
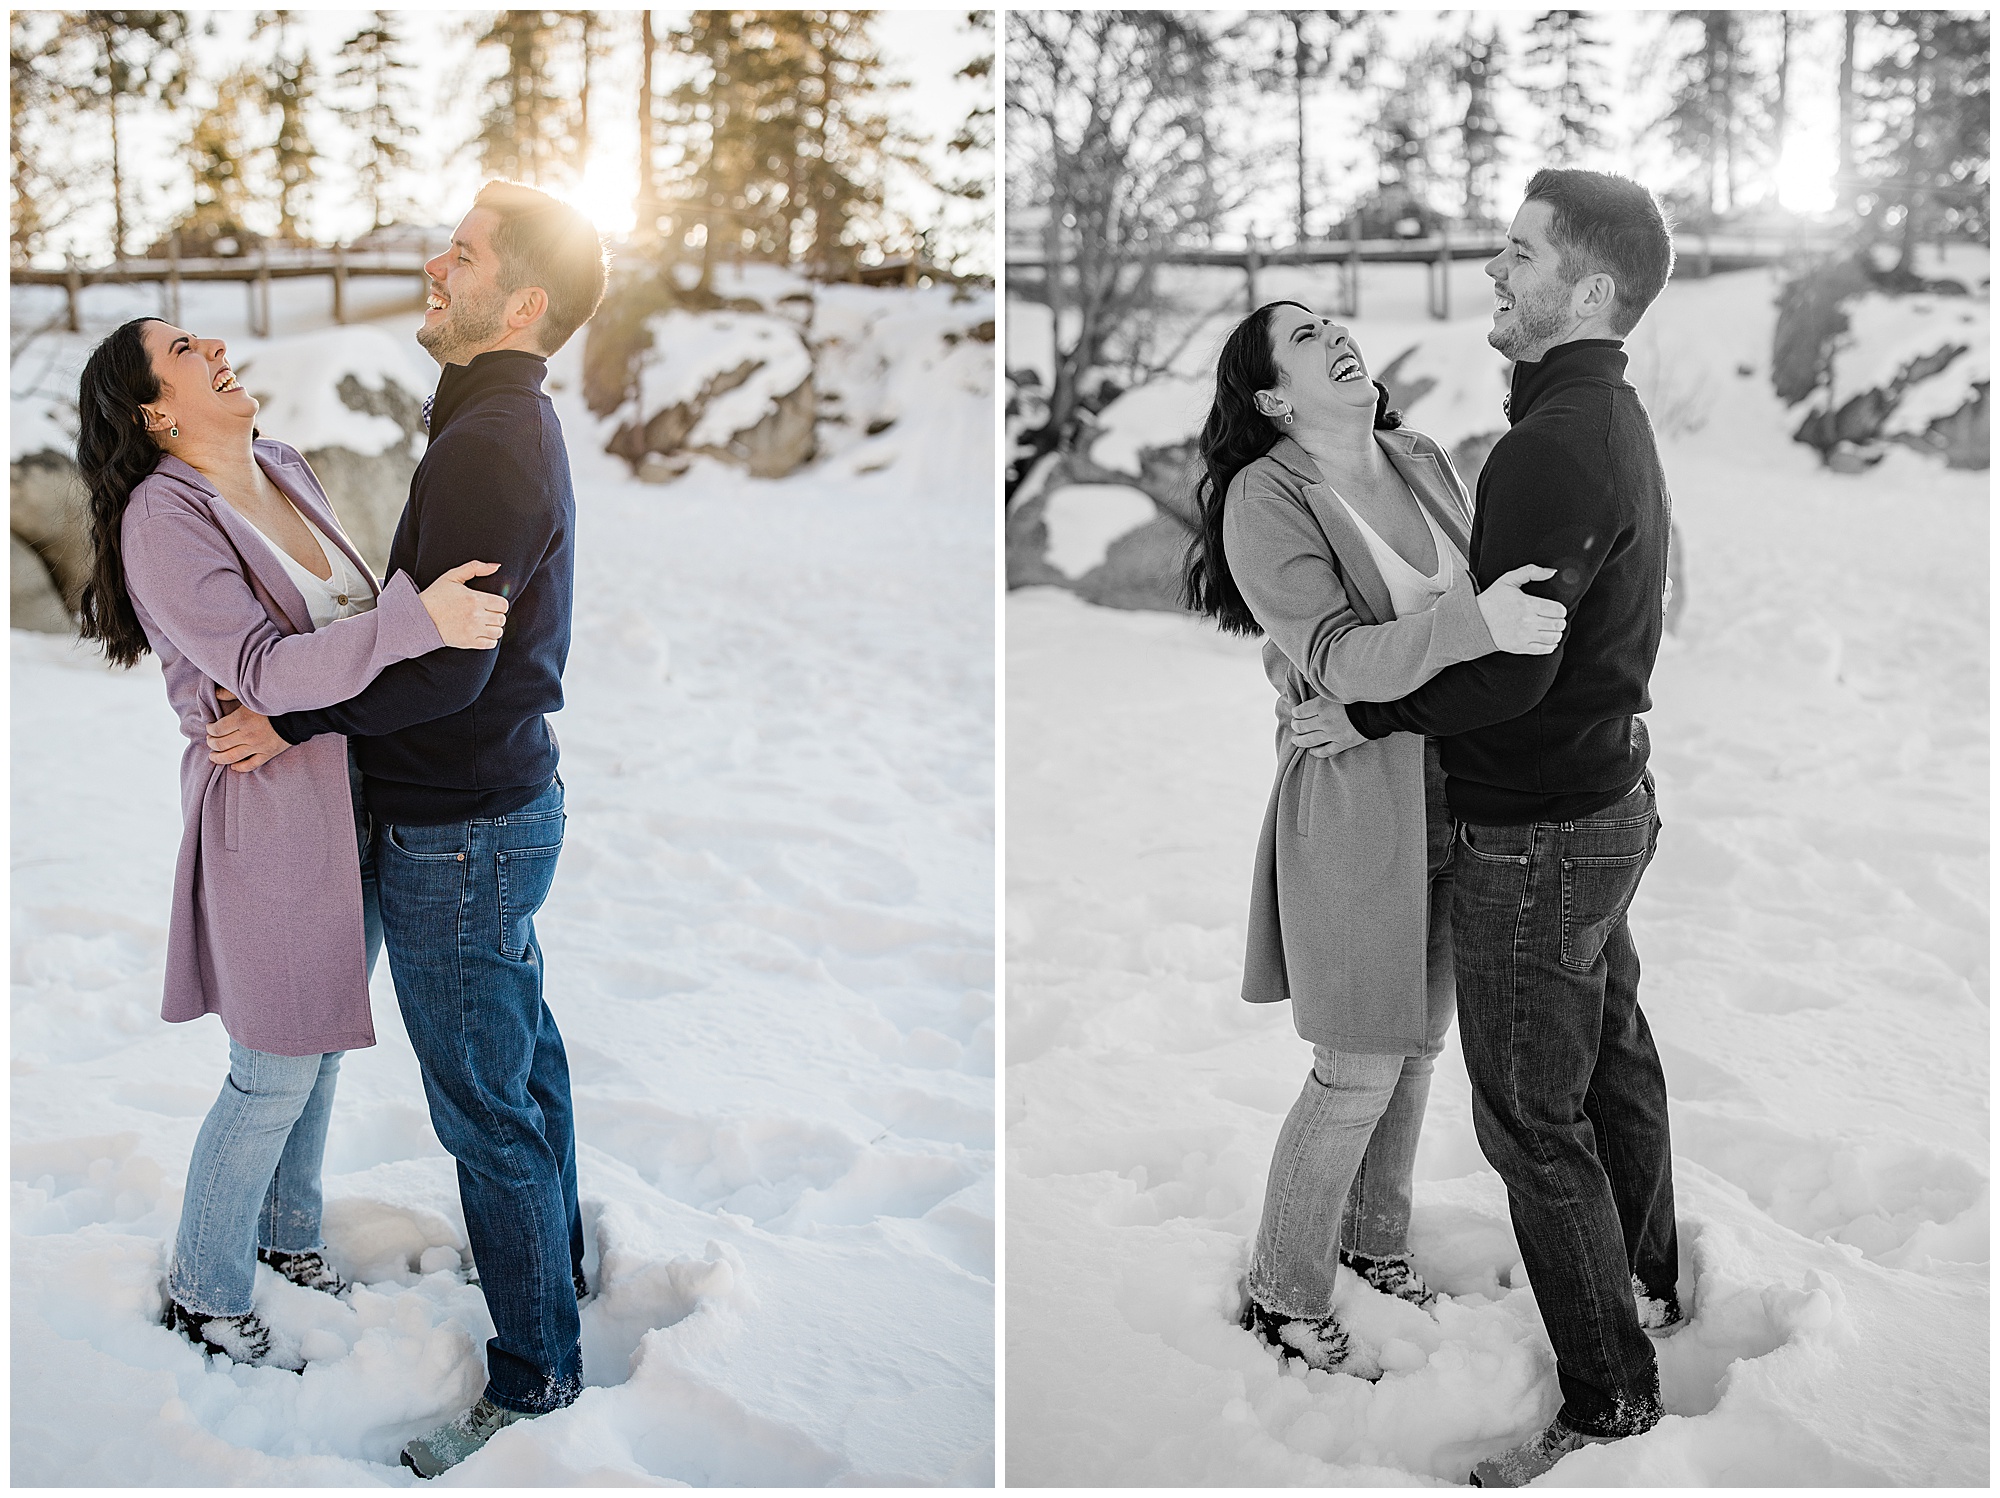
[1600,875]
[526,875]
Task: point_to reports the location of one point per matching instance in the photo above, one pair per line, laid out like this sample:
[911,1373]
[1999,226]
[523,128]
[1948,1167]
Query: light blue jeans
[1341,1174]
[253,1181]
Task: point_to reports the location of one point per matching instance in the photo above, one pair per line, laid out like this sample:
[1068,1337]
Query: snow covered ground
[1815,939]
[769,947]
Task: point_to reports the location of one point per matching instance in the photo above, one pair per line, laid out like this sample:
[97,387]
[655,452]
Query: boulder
[35,603]
[1140,569]
[351,400]
[48,510]
[1810,319]
[368,491]
[732,384]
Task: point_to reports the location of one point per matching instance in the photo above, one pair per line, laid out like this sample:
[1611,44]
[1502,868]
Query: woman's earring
[175,431]
[1288,418]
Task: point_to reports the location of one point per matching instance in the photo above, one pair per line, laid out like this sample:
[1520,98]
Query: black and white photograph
[1496,764]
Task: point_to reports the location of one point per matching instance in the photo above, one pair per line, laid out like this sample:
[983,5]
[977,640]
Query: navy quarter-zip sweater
[459,734]
[1576,485]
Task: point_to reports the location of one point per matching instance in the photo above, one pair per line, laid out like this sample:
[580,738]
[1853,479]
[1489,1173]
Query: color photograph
[503,748]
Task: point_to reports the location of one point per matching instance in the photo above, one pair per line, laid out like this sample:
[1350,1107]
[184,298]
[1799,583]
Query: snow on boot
[1394,1275]
[450,1444]
[1323,1344]
[307,1268]
[1526,1462]
[1658,1316]
[582,1285]
[241,1339]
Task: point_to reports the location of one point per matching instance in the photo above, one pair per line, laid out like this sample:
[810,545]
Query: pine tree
[1404,133]
[1928,96]
[973,142]
[218,151]
[1710,118]
[288,88]
[592,44]
[132,54]
[521,132]
[1477,70]
[844,141]
[377,113]
[1567,59]
[646,205]
[782,154]
[34,107]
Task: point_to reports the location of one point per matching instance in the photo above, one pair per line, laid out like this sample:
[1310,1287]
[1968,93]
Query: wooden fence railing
[256,270]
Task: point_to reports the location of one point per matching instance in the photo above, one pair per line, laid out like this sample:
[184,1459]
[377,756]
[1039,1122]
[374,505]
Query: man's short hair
[1602,222]
[542,241]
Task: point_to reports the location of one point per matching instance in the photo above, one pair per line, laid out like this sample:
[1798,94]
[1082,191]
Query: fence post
[1353,265]
[263,288]
[74,284]
[1250,268]
[174,276]
[339,284]
[1444,271]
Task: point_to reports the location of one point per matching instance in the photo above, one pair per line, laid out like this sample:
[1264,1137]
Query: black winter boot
[307,1268]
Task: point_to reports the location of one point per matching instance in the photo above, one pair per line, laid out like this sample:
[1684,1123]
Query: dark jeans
[1568,1100]
[458,906]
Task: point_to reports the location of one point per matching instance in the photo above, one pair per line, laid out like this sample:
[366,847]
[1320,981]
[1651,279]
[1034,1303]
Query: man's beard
[469,327]
[1536,324]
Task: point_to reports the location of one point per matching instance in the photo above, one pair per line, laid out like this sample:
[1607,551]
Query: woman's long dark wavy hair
[1236,435]
[114,452]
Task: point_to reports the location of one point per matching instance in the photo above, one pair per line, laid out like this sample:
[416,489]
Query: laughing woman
[218,551]
[1342,538]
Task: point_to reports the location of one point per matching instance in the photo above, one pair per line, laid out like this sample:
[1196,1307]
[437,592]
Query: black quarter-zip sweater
[1576,485]
[459,734]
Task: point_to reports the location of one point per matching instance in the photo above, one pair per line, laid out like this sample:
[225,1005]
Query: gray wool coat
[1339,900]
[266,922]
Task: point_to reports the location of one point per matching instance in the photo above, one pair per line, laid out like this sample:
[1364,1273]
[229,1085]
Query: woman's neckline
[1438,538]
[312,532]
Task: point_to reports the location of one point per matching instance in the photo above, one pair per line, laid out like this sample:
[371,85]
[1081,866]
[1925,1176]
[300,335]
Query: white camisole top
[341,595]
[1410,592]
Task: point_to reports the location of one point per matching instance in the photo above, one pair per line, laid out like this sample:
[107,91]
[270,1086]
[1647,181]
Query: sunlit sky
[923,47]
[1637,70]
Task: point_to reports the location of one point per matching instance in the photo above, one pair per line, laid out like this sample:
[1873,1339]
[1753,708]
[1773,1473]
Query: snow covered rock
[350,399]
[46,516]
[34,602]
[1910,367]
[732,385]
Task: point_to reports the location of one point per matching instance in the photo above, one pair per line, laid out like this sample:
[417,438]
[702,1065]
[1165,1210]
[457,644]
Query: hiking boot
[450,1444]
[1323,1344]
[307,1268]
[1659,1316]
[1526,1462]
[241,1339]
[1394,1275]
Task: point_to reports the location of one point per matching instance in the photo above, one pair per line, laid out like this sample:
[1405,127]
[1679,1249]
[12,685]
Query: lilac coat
[266,924]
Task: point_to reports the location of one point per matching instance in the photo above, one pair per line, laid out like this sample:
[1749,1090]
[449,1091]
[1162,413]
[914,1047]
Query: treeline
[1433,126]
[1126,141]
[763,133]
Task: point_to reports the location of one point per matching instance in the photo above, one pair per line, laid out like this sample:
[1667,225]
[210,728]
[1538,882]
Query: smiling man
[1545,762]
[459,778]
